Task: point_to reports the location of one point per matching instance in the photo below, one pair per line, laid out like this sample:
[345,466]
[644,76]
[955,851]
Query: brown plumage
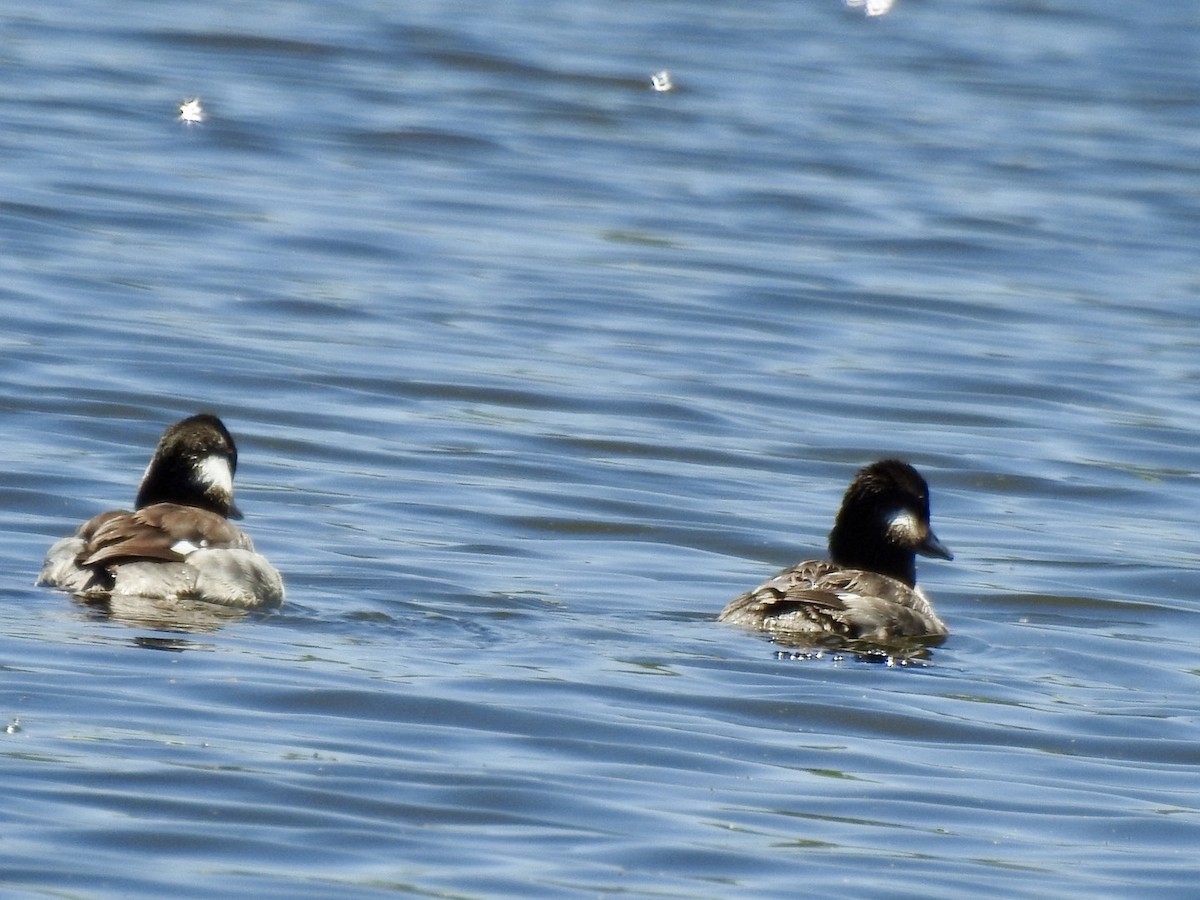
[163,531]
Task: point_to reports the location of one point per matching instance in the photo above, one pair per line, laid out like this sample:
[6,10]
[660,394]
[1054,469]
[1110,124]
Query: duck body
[178,543]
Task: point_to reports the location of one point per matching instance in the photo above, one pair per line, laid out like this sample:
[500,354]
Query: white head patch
[903,528]
[214,472]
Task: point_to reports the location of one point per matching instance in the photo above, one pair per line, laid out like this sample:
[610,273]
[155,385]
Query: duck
[866,591]
[178,543]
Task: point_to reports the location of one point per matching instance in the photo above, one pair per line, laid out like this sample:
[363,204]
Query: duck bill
[234,512]
[931,546]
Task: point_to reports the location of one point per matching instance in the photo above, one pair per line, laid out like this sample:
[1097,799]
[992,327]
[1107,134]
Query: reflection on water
[900,654]
[162,615]
[171,645]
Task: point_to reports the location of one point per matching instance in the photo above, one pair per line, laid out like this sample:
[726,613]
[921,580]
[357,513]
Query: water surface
[532,368]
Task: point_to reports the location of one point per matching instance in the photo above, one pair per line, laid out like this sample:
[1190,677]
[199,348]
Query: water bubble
[191,111]
[661,81]
[872,7]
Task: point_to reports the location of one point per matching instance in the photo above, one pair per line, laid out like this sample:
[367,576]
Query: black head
[193,465]
[884,522]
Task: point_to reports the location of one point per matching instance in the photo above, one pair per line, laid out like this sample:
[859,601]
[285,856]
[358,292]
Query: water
[533,368]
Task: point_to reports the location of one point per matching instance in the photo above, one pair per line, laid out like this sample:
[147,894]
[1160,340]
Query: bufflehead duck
[867,591]
[178,544]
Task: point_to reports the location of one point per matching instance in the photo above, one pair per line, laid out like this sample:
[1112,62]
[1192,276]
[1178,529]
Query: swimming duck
[866,591]
[178,543]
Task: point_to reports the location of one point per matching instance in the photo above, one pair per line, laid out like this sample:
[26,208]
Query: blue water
[532,369]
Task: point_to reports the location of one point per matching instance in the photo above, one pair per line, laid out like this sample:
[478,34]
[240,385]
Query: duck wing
[161,531]
[818,598]
[795,590]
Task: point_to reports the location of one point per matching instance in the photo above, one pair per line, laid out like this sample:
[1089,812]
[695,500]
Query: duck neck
[168,481]
[882,557]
